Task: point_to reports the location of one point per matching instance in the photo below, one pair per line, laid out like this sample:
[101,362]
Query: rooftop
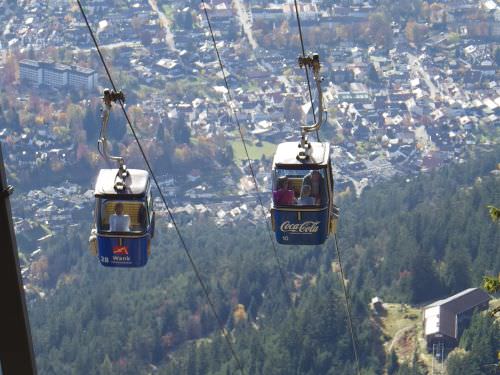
[137,182]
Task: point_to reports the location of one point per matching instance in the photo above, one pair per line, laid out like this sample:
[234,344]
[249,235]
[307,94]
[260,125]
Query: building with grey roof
[446,319]
[57,75]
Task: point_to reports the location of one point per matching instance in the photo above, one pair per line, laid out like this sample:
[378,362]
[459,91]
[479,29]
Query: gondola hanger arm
[312,62]
[109,97]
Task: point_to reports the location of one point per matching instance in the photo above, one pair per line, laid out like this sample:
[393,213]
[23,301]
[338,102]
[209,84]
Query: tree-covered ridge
[156,315]
[421,238]
[479,346]
[407,240]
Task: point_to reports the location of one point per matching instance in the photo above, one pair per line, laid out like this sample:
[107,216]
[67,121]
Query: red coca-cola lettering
[307,227]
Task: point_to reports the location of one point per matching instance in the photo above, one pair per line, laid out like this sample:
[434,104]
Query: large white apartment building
[57,75]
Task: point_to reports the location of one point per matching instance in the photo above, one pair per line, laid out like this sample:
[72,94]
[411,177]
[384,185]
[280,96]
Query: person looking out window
[316,182]
[305,196]
[118,222]
[284,195]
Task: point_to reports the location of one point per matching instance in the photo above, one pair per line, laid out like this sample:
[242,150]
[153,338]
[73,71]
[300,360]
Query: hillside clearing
[255,152]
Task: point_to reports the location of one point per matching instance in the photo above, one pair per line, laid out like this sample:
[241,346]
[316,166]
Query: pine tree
[393,365]
[181,131]
[424,281]
[3,120]
[457,275]
[160,133]
[12,119]
[106,367]
[91,124]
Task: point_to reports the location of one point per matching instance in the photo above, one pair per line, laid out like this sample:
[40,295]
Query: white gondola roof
[137,183]
[286,155]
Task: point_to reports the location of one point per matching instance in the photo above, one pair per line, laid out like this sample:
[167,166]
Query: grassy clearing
[402,328]
[255,152]
[399,317]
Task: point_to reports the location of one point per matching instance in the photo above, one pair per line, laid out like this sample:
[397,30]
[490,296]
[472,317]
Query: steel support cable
[305,67]
[254,178]
[179,234]
[348,308]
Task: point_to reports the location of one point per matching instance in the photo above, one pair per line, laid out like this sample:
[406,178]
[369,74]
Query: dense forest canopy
[408,240]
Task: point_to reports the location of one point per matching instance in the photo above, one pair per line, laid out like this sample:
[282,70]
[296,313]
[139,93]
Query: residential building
[30,71]
[57,75]
[79,77]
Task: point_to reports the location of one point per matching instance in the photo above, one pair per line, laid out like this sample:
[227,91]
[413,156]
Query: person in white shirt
[305,196]
[316,182]
[118,222]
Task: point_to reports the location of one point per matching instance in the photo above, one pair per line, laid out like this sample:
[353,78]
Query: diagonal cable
[233,111]
[306,69]
[179,234]
[348,308]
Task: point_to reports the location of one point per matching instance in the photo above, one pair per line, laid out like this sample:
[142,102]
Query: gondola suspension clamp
[313,63]
[109,97]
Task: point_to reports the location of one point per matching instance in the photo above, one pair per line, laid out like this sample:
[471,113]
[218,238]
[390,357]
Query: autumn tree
[494,213]
[416,33]
[74,116]
[10,70]
[492,283]
[378,30]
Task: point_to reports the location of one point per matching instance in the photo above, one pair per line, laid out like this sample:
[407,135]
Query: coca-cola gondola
[302,209]
[124,216]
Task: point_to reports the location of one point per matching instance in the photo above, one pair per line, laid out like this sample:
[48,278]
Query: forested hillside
[407,240]
[420,238]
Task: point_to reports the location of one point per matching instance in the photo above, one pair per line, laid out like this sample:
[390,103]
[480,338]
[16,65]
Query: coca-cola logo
[307,227]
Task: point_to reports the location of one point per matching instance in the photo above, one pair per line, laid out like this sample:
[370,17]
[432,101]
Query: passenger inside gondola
[305,196]
[316,182]
[284,195]
[302,187]
[118,222]
[123,216]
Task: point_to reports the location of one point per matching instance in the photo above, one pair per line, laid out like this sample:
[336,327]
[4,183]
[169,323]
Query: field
[402,328]
[255,152]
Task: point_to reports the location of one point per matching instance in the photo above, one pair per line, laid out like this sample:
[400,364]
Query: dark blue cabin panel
[301,227]
[123,251]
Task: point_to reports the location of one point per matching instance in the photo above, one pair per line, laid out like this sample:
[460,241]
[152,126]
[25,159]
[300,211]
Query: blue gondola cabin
[302,209]
[124,218]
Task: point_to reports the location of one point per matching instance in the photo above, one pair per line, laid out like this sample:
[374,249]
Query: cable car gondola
[124,216]
[302,209]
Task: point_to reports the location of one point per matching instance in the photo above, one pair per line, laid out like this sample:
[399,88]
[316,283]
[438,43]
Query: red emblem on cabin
[120,250]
